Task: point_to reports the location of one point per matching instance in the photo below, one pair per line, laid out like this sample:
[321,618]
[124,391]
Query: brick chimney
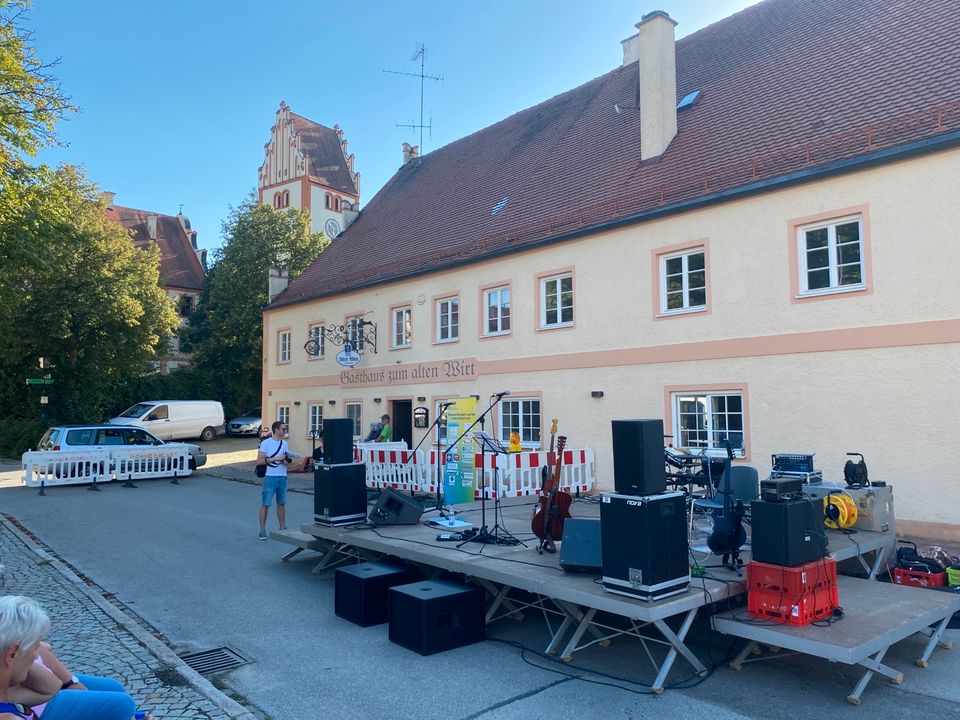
[410,152]
[654,46]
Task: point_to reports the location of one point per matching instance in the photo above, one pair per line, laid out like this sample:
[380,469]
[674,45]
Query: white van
[175,419]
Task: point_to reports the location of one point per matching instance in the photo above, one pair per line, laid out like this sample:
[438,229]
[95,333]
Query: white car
[93,437]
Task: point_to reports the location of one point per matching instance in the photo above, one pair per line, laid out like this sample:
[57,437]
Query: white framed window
[402,327]
[283,346]
[706,420]
[448,319]
[353,410]
[314,333]
[556,301]
[314,419]
[496,305]
[831,256]
[683,281]
[283,414]
[523,416]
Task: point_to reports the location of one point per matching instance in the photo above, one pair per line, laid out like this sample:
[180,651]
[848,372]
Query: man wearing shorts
[273,451]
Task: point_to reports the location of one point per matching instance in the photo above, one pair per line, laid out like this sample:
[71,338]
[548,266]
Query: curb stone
[199,683]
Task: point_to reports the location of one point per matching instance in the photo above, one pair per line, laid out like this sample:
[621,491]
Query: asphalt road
[185,558]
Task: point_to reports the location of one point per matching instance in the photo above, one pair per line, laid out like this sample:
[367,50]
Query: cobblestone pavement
[94,636]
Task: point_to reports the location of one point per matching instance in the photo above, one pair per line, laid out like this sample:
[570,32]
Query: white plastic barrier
[65,468]
[122,462]
[150,461]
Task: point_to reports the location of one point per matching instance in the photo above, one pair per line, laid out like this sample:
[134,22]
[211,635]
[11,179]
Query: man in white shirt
[274,453]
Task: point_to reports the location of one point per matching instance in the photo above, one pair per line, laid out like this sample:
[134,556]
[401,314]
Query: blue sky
[177,96]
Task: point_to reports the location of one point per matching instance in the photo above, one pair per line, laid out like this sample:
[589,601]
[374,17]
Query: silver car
[92,437]
[249,423]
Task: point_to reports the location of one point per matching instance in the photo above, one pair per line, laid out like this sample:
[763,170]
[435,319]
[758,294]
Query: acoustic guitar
[552,508]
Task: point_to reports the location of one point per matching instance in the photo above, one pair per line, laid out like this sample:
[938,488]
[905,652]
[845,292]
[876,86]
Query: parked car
[176,419]
[249,423]
[93,437]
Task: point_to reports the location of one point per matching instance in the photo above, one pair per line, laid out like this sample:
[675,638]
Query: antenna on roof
[421,54]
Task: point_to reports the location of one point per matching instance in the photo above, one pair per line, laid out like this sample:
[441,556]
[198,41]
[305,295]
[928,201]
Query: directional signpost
[45,380]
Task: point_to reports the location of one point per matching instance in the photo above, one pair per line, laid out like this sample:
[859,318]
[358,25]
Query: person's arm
[37,687]
[68,681]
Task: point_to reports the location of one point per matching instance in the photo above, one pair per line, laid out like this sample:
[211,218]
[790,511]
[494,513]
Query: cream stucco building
[772,260]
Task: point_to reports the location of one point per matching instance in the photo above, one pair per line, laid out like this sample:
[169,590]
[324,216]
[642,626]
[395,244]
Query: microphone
[502,393]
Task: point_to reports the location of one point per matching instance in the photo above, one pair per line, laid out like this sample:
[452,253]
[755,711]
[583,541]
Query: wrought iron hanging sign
[356,335]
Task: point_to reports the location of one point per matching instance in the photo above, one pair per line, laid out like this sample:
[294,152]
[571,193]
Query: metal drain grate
[212,661]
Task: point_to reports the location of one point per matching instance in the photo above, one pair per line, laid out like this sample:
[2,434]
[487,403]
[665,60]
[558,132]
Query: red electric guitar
[553,507]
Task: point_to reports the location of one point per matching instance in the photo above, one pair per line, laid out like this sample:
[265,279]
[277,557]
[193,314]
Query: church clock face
[332,228]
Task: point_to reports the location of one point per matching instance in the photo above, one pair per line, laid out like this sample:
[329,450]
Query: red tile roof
[788,86]
[326,162]
[179,265]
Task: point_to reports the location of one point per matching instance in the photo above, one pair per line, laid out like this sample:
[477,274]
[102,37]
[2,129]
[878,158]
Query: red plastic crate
[793,609]
[919,579]
[792,581]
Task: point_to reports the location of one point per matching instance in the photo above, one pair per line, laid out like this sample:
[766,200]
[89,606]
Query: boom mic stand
[441,457]
[483,535]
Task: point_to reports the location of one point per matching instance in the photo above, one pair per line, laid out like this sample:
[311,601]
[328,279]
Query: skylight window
[688,100]
[499,206]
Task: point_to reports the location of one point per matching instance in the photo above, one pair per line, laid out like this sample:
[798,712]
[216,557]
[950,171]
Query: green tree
[84,297]
[31,100]
[226,329]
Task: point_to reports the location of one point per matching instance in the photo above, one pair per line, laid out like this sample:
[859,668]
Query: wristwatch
[74,680]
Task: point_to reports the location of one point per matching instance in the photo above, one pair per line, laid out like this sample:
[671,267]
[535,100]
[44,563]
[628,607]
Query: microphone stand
[483,535]
[435,424]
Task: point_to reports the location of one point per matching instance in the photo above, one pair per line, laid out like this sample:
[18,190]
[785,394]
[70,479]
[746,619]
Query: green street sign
[39,381]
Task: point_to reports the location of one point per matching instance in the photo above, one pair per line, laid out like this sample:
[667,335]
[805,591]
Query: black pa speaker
[338,441]
[340,493]
[787,533]
[580,549]
[435,615]
[360,591]
[638,459]
[395,508]
[644,545]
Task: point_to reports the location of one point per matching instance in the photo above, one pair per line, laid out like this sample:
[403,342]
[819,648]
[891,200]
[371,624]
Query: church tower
[306,165]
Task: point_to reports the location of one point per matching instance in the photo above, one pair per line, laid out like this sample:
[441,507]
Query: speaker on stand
[638,464]
[338,441]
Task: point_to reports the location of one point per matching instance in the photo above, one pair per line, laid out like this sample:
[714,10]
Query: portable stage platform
[877,615]
[570,602]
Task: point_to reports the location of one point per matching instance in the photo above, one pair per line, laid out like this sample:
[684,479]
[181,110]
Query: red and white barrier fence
[510,475]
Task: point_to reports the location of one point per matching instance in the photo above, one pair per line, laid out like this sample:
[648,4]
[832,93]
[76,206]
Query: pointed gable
[299,147]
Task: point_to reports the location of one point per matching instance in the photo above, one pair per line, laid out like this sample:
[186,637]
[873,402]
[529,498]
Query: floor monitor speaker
[638,458]
[395,508]
[580,549]
[338,441]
